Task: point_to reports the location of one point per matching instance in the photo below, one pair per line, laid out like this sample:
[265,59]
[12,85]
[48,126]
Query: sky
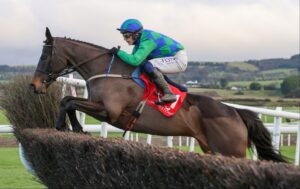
[210,30]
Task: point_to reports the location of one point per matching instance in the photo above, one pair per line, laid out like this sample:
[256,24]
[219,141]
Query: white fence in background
[277,128]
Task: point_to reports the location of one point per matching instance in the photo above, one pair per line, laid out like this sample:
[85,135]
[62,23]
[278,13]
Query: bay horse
[219,129]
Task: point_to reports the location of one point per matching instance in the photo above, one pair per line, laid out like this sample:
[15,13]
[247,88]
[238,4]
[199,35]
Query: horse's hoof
[77,129]
[62,128]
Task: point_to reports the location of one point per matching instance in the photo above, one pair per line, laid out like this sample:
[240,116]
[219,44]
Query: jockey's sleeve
[143,51]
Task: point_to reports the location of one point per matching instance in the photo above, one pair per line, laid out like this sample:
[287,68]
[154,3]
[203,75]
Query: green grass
[225,94]
[247,83]
[289,152]
[3,119]
[13,174]
[91,120]
[243,66]
[289,71]
[7,135]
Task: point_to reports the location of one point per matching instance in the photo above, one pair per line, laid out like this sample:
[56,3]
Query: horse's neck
[120,67]
[78,53]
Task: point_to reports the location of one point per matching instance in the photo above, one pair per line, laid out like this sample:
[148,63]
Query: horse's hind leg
[203,143]
[226,136]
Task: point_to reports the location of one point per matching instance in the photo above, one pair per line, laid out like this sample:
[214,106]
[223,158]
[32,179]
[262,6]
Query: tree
[290,84]
[255,86]
[223,83]
[294,93]
[271,86]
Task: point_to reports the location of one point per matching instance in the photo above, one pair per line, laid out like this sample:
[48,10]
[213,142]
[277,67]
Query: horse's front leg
[61,117]
[69,105]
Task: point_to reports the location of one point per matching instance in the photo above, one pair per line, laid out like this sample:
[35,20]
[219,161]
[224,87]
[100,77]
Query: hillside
[267,64]
[251,70]
[7,72]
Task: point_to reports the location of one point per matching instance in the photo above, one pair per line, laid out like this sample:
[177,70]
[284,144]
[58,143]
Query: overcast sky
[210,30]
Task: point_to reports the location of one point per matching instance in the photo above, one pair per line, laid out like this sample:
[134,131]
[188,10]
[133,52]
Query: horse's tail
[260,136]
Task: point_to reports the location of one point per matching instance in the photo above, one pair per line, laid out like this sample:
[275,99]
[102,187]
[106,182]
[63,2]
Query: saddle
[152,94]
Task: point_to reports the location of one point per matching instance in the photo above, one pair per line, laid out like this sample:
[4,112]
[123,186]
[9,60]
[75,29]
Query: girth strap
[109,75]
[135,115]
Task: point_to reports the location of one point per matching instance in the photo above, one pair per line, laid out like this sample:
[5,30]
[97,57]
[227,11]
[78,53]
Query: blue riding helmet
[131,25]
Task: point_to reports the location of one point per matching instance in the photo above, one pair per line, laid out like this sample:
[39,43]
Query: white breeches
[171,64]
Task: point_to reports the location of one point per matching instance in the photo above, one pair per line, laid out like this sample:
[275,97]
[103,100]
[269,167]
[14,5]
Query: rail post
[192,144]
[297,155]
[149,138]
[170,141]
[104,129]
[179,141]
[276,131]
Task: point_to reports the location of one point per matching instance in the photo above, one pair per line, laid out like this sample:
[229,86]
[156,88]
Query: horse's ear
[49,37]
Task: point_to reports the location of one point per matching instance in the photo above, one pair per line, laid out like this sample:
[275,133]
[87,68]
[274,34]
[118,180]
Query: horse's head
[49,66]
[61,56]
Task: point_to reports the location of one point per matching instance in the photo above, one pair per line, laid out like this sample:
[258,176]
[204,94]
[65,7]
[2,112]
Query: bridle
[51,77]
[48,70]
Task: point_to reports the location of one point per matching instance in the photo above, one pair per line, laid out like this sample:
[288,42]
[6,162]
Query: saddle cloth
[151,91]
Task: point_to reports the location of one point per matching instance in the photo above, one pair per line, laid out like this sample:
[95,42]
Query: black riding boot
[161,83]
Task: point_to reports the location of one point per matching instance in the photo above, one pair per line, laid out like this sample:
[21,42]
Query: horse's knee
[65,100]
[67,104]
[70,105]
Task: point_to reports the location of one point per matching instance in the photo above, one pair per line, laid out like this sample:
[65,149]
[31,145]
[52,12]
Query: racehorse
[113,96]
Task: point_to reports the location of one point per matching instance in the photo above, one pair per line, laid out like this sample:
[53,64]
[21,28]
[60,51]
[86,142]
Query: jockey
[154,52]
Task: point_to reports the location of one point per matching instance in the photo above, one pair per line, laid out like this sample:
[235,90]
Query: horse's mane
[84,42]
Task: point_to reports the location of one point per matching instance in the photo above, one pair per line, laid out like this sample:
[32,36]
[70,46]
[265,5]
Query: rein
[73,68]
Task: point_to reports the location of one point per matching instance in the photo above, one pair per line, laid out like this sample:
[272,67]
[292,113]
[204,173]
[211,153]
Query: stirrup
[162,101]
[167,98]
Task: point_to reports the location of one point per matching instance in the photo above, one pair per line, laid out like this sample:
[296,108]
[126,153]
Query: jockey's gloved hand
[113,51]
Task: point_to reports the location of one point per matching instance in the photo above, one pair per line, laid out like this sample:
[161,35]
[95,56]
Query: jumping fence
[277,128]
